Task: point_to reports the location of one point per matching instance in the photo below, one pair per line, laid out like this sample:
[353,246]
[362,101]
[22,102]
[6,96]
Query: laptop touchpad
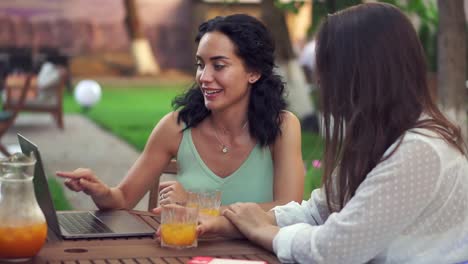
[119,221]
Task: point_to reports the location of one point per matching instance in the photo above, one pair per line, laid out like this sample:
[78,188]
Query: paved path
[81,144]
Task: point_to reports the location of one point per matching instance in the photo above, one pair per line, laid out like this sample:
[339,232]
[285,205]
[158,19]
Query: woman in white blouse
[395,183]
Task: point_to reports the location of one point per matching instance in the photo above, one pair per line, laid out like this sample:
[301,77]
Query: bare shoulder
[290,131]
[169,122]
[167,133]
[287,146]
[289,121]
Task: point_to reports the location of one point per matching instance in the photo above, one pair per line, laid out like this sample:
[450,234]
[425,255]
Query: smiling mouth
[211,91]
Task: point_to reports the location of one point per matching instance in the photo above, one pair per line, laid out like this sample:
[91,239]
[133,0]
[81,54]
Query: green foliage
[290,6]
[312,149]
[319,11]
[312,182]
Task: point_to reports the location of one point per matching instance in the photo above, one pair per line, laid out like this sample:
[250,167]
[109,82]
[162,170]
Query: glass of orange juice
[179,226]
[209,202]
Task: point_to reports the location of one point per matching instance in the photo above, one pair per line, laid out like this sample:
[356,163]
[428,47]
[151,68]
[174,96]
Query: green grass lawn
[129,112]
[132,112]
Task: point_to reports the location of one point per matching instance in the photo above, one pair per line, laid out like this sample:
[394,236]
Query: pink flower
[316,164]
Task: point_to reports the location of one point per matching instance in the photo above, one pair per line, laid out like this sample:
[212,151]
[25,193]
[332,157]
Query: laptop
[82,224]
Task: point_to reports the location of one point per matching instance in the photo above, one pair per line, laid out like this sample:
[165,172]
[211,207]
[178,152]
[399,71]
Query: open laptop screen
[41,187]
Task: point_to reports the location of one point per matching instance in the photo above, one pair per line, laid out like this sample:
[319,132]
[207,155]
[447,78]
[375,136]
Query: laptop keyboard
[82,223]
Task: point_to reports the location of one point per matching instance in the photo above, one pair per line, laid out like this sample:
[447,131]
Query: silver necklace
[224,147]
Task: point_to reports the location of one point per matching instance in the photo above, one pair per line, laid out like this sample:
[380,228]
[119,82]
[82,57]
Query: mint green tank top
[251,182]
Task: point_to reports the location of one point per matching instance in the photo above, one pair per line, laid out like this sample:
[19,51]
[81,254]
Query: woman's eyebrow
[219,57]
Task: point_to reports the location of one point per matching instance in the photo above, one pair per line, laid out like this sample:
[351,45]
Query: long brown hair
[372,76]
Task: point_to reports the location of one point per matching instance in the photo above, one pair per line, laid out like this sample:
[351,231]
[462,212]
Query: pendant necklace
[224,147]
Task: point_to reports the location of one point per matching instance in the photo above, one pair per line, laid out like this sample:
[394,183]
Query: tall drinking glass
[179,226]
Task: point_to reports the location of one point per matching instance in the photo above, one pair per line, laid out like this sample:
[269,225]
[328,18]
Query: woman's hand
[172,192]
[209,226]
[253,222]
[84,180]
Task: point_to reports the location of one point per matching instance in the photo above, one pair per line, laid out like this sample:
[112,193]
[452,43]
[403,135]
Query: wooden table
[144,249]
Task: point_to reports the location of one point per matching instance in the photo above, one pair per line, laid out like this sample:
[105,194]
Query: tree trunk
[452,94]
[141,50]
[298,95]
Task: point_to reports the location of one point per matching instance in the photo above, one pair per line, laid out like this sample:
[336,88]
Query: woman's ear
[253,77]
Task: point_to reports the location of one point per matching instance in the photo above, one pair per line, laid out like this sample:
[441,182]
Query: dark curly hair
[255,46]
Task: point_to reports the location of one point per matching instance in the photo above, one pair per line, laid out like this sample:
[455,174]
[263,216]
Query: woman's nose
[206,75]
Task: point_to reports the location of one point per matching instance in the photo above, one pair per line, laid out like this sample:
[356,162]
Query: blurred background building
[94,35]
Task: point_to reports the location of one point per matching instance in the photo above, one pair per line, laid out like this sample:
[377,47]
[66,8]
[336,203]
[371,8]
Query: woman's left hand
[172,192]
[253,222]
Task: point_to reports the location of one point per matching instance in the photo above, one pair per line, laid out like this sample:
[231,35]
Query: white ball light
[87,93]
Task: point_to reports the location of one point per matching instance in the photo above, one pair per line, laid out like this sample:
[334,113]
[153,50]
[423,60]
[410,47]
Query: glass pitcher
[23,228]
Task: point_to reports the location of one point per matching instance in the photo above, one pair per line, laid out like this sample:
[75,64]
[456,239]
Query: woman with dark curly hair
[229,132]
[395,183]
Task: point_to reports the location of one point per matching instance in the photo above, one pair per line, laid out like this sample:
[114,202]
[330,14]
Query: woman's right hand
[84,180]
